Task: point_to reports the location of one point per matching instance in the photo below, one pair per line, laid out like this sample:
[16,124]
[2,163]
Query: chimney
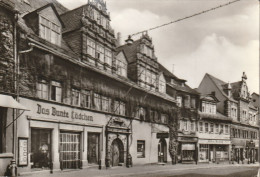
[118,38]
[129,41]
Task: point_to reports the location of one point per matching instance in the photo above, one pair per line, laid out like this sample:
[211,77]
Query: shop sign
[214,141]
[22,151]
[189,147]
[162,135]
[56,112]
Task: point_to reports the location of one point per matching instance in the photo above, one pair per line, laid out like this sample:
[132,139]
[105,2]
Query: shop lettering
[41,110]
[55,112]
[80,116]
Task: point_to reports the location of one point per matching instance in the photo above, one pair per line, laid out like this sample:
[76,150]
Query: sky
[223,42]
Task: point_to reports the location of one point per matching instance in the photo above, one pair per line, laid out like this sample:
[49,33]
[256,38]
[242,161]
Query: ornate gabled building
[85,109]
[235,102]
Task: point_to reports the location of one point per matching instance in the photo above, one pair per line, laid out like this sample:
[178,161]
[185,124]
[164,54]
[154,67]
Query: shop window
[56,91]
[42,90]
[140,149]
[85,99]
[206,127]
[40,148]
[204,152]
[75,97]
[93,148]
[50,31]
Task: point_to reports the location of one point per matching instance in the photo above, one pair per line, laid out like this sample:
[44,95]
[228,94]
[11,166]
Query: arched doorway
[162,151]
[117,152]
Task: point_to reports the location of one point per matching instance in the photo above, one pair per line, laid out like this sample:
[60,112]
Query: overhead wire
[184,18]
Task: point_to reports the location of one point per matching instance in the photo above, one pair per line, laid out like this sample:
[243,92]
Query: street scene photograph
[129,88]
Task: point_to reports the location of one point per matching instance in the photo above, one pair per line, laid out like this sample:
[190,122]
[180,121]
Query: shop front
[61,137]
[187,149]
[214,151]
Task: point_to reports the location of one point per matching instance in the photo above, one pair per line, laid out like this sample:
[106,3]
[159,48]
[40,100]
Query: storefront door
[93,148]
[41,148]
[188,152]
[162,151]
[70,150]
[117,152]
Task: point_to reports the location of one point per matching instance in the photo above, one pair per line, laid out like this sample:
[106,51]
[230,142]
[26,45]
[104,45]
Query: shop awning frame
[8,101]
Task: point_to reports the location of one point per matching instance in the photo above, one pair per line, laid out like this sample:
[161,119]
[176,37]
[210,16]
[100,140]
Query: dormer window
[50,31]
[147,51]
[179,101]
[208,107]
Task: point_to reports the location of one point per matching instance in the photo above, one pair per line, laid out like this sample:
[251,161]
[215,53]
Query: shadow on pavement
[249,173]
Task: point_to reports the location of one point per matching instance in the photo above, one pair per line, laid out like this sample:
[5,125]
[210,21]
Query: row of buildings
[72,96]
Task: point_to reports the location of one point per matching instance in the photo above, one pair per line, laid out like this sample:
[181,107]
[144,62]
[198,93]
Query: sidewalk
[140,170]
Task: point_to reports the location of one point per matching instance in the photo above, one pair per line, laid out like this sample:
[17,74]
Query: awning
[8,102]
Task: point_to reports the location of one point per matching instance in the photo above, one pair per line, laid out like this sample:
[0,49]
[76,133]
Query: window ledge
[6,155]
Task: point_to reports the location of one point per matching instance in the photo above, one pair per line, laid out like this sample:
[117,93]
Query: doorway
[93,148]
[162,151]
[117,152]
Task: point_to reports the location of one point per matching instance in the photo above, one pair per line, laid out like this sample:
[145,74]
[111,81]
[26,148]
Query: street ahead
[201,170]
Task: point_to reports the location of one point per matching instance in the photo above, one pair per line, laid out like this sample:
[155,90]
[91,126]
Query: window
[226,129]
[216,128]
[140,149]
[201,126]
[164,118]
[108,57]
[141,113]
[209,108]
[179,101]
[97,101]
[91,47]
[192,126]
[244,114]
[75,97]
[162,84]
[185,125]
[121,68]
[193,103]
[206,127]
[233,111]
[187,101]
[50,31]
[211,128]
[100,52]
[221,128]
[85,99]
[105,103]
[42,90]
[56,91]
[119,108]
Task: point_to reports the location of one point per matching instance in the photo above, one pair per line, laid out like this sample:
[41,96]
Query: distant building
[236,103]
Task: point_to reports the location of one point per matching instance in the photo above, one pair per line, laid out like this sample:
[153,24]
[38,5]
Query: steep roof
[32,5]
[221,85]
[72,19]
[130,50]
[167,73]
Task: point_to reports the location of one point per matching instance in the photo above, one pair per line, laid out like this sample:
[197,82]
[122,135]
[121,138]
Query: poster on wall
[22,151]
